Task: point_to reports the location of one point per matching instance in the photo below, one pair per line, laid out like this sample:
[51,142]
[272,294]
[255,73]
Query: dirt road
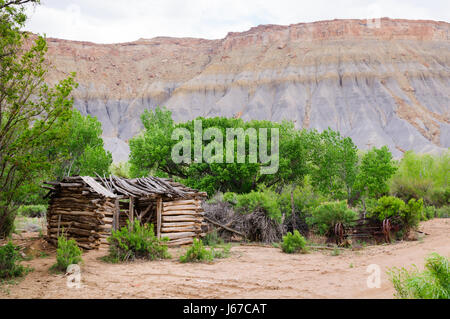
[250,272]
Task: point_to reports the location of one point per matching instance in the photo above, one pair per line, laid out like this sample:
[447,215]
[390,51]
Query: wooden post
[116,215]
[159,207]
[131,211]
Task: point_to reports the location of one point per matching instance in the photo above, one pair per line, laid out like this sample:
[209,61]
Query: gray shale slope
[386,85]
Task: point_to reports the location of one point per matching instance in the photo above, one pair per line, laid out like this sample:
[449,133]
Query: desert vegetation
[431,283]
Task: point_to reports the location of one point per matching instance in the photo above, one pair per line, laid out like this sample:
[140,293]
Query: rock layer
[386,85]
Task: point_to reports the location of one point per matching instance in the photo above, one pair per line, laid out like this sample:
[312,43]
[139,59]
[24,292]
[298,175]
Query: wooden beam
[131,211]
[223,226]
[116,215]
[159,208]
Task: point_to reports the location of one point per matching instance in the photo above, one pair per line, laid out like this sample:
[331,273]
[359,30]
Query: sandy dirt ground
[250,272]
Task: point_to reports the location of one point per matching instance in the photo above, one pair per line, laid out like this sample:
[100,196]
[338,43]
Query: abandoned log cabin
[87,209]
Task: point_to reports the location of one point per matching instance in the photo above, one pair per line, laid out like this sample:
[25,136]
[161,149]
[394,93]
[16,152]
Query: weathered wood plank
[180,207]
[180,218]
[179,235]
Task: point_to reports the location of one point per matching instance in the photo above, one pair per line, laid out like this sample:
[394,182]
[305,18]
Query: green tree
[334,160]
[82,148]
[151,152]
[29,109]
[376,168]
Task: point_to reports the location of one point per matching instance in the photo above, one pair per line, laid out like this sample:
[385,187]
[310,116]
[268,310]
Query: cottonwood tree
[334,162]
[30,110]
[377,167]
[151,154]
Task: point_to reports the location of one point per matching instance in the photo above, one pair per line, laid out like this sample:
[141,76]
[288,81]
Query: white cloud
[107,21]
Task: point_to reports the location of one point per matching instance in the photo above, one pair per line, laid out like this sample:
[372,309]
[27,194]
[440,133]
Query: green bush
[305,199]
[411,214]
[328,214]
[293,243]
[266,200]
[429,212]
[67,253]
[10,262]
[221,251]
[139,241]
[408,215]
[432,283]
[197,253]
[423,176]
[212,239]
[386,207]
[443,212]
[32,210]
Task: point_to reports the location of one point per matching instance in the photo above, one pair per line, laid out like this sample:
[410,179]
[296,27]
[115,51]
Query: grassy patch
[67,253]
[432,283]
[135,242]
[293,243]
[10,259]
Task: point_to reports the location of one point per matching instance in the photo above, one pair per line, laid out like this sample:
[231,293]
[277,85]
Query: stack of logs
[181,221]
[77,211]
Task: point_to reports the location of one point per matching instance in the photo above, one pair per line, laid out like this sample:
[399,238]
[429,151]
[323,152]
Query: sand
[251,272]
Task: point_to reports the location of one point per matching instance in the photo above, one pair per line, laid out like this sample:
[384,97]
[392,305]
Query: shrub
[443,212]
[10,262]
[328,214]
[32,210]
[429,212]
[423,176]
[411,214]
[265,200]
[67,253]
[387,207]
[432,283]
[212,239]
[130,243]
[197,253]
[408,215]
[221,251]
[293,243]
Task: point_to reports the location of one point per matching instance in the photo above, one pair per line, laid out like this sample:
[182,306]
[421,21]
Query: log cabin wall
[181,221]
[78,211]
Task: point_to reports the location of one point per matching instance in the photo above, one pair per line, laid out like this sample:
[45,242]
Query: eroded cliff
[386,85]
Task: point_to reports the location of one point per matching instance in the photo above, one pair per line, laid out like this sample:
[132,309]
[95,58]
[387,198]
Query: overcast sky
[111,21]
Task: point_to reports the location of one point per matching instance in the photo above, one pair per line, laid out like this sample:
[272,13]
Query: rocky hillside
[379,85]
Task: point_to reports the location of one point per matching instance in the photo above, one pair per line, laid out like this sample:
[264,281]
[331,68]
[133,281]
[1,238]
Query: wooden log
[179,229]
[179,224]
[77,239]
[51,183]
[181,218]
[182,212]
[159,209]
[81,219]
[48,187]
[73,224]
[78,231]
[178,242]
[180,207]
[223,226]
[181,202]
[78,213]
[71,184]
[179,235]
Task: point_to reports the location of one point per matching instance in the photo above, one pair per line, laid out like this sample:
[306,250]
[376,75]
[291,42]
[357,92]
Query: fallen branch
[223,226]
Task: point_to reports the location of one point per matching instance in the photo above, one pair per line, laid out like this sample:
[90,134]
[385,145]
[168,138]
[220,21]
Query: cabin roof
[114,186]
